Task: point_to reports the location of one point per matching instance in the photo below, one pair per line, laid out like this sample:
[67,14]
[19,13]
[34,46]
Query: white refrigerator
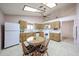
[12,32]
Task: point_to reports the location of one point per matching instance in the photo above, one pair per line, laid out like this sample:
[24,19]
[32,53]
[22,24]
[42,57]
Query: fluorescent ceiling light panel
[26,8]
[51,5]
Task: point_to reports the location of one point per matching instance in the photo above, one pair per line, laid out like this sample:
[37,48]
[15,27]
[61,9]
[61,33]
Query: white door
[12,26]
[11,38]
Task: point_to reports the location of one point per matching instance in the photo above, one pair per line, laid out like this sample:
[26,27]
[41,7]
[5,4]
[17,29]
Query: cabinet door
[23,37]
[55,25]
[51,36]
[55,36]
[39,26]
[23,24]
[42,34]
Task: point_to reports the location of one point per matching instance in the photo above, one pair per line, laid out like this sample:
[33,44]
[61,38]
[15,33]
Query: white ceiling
[17,8]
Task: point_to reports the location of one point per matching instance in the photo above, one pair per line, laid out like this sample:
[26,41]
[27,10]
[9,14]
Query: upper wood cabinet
[39,26]
[47,26]
[23,24]
[55,25]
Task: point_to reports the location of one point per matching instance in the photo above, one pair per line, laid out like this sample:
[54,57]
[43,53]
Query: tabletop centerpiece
[36,35]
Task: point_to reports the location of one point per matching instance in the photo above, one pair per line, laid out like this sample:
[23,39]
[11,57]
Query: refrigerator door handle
[76,32]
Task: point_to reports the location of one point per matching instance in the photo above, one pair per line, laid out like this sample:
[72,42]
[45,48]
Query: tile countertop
[55,31]
[52,31]
[27,31]
[45,31]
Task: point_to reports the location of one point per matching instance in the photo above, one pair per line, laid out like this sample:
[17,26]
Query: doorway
[67,31]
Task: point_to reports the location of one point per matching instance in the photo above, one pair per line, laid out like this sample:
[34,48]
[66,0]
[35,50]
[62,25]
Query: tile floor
[62,48]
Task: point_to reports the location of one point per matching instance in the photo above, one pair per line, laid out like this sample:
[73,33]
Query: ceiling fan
[43,11]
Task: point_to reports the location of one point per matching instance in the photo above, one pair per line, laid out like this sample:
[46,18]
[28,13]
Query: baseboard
[10,46]
[67,38]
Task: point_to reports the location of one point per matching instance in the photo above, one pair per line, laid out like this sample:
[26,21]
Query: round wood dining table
[35,41]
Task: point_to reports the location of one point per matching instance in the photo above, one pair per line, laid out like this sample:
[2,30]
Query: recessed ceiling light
[26,8]
[51,5]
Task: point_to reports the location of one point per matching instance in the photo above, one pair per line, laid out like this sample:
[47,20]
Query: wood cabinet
[55,36]
[55,25]
[41,34]
[30,34]
[23,24]
[24,36]
[39,26]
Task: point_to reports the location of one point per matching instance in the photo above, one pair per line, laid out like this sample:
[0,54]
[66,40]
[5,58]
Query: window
[47,26]
[30,26]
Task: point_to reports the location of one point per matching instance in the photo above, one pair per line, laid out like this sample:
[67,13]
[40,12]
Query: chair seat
[42,49]
[30,48]
[26,53]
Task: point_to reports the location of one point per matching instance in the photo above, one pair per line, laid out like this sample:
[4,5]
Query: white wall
[29,19]
[1,22]
[62,13]
[65,14]
[77,23]
[65,18]
[67,29]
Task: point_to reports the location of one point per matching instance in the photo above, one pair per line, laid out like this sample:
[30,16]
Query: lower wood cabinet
[55,36]
[41,34]
[24,36]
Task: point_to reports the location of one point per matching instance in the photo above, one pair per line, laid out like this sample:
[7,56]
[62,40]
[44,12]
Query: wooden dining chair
[43,48]
[27,50]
